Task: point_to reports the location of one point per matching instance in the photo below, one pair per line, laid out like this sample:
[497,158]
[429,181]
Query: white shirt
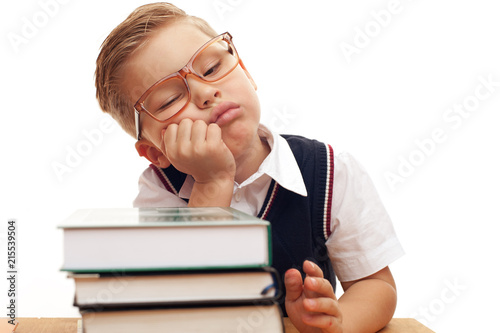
[363,240]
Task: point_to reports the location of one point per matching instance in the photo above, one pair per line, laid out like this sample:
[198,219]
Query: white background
[409,70]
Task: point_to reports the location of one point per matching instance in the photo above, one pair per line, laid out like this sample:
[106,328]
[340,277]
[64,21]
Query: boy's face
[168,50]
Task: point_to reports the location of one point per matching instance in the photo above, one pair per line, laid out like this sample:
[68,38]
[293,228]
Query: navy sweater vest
[300,225]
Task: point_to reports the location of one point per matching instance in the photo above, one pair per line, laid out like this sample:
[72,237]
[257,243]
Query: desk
[69,325]
[396,325]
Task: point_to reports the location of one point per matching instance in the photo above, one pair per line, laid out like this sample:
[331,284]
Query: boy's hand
[312,305]
[197,149]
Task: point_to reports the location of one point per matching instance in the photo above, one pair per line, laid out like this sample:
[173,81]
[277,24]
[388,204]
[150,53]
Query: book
[139,239]
[262,318]
[107,290]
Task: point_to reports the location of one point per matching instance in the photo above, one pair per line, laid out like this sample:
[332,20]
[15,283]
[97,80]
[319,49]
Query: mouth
[224,112]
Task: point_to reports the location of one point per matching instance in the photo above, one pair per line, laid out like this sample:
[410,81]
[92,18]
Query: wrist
[216,192]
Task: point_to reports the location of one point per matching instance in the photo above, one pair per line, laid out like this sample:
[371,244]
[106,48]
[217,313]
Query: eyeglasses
[170,95]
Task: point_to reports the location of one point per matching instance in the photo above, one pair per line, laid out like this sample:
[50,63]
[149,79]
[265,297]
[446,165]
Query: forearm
[217,193]
[368,305]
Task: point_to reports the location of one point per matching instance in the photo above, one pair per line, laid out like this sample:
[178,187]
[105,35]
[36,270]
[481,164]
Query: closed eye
[213,69]
[169,102]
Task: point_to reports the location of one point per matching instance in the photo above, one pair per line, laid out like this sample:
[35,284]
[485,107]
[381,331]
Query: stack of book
[172,270]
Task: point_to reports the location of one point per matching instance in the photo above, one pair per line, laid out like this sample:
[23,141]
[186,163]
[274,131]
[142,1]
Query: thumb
[293,285]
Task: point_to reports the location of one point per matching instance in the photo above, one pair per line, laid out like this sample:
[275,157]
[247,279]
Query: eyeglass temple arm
[137,125]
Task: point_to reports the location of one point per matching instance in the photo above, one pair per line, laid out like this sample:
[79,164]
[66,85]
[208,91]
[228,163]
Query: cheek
[152,131]
[252,102]
[245,93]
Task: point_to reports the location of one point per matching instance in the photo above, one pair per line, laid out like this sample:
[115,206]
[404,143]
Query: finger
[214,134]
[216,144]
[322,305]
[319,287]
[162,141]
[199,132]
[311,269]
[184,131]
[325,322]
[170,136]
[293,285]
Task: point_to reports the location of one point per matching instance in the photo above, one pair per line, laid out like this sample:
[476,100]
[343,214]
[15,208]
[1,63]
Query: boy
[200,129]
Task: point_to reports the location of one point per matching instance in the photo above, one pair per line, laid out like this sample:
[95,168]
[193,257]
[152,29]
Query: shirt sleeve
[152,193]
[363,240]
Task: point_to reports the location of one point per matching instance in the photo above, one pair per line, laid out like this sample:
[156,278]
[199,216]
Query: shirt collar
[280,165]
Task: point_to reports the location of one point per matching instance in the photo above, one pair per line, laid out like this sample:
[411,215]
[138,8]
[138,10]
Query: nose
[203,94]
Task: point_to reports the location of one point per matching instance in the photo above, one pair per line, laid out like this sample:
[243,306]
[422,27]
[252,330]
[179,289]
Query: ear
[248,75]
[152,153]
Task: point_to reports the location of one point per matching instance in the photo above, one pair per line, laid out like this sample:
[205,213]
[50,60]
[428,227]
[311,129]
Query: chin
[240,141]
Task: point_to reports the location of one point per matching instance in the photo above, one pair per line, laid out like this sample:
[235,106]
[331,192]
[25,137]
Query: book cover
[139,239]
[176,288]
[261,318]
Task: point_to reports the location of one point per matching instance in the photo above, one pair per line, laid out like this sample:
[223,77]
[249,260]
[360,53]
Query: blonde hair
[117,48]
